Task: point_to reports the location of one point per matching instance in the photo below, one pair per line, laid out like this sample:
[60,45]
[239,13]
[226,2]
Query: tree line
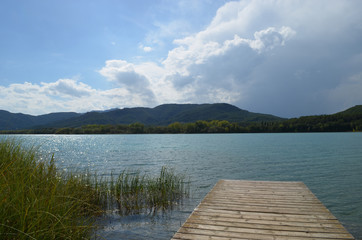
[323,123]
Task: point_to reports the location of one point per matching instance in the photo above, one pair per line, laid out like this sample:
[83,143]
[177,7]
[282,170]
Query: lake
[330,164]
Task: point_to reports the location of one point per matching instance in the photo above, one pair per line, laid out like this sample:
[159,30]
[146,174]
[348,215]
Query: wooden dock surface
[261,210]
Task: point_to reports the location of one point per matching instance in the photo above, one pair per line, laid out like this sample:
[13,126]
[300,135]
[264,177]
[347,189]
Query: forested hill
[14,121]
[345,121]
[166,114]
[353,110]
[179,118]
[161,116]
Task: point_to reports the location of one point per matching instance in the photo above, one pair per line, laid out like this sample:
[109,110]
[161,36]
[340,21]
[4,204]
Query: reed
[138,193]
[39,202]
[36,202]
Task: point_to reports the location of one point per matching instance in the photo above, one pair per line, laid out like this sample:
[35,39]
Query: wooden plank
[236,235]
[268,194]
[309,224]
[265,209]
[267,216]
[305,234]
[265,202]
[236,209]
[219,222]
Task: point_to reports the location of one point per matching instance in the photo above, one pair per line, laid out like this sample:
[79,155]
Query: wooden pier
[261,210]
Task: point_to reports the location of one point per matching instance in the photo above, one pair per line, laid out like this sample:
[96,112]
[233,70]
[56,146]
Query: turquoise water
[330,164]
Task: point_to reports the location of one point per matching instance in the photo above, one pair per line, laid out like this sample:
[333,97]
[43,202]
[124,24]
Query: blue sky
[287,58]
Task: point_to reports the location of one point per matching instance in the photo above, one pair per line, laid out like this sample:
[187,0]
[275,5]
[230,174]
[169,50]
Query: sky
[286,58]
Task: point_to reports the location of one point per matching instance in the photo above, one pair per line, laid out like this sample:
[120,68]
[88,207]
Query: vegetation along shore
[37,201]
[177,118]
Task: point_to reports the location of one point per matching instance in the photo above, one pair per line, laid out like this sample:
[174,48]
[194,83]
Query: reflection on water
[330,164]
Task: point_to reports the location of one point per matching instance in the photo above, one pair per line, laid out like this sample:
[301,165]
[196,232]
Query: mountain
[11,121]
[169,113]
[344,121]
[353,110]
[161,115]
[165,114]
[15,121]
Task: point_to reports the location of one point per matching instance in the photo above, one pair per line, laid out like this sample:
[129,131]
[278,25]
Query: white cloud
[194,50]
[270,56]
[209,70]
[147,49]
[67,87]
[270,38]
[64,95]
[126,76]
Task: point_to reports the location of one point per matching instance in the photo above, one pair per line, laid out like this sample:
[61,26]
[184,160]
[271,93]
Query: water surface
[330,164]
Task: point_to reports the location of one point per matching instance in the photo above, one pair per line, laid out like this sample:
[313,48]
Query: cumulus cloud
[229,56]
[123,73]
[64,95]
[215,68]
[126,76]
[147,49]
[270,38]
[277,57]
[67,87]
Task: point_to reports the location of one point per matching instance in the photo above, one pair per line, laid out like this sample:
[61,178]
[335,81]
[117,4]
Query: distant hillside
[353,110]
[345,121]
[15,121]
[10,121]
[159,116]
[166,114]
[220,111]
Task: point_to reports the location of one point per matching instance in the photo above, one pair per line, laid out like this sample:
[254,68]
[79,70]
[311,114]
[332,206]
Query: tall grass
[39,202]
[36,202]
[136,193]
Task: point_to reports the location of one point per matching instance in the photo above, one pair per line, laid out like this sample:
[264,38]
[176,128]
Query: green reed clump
[39,202]
[166,189]
[36,202]
[136,193]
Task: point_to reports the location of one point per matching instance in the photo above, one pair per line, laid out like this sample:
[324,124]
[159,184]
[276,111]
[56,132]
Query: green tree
[175,127]
[137,128]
